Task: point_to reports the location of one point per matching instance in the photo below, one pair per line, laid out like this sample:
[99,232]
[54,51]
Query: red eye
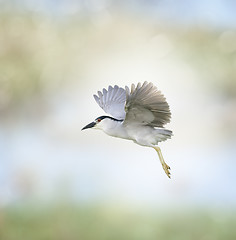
[99,120]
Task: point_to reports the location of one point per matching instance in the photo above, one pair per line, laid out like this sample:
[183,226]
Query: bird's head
[99,123]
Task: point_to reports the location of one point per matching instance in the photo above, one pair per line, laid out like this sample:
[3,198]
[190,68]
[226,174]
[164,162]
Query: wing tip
[95,96]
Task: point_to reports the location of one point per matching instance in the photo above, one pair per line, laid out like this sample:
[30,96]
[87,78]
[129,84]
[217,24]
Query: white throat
[113,128]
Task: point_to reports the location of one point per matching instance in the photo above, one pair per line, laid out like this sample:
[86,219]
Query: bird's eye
[98,120]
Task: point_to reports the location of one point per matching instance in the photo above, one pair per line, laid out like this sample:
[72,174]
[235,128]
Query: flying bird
[138,114]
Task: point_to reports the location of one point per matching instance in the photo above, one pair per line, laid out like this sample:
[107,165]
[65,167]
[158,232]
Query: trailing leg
[164,165]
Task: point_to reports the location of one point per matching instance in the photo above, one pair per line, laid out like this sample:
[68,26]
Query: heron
[138,114]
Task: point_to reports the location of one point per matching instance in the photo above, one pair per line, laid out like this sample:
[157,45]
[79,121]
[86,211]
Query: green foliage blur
[39,55]
[88,223]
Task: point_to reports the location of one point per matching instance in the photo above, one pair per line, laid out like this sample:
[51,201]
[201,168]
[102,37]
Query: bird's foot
[166,168]
[164,165]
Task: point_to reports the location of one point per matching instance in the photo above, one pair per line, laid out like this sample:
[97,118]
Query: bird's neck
[115,128]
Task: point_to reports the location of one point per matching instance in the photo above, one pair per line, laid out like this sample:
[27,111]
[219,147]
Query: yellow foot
[164,165]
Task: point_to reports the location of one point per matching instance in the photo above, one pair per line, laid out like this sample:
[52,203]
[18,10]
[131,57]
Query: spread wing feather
[112,101]
[146,105]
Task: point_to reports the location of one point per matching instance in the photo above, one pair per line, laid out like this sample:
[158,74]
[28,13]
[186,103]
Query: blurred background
[57,182]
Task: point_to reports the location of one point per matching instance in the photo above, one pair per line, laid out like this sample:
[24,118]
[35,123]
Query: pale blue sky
[215,13]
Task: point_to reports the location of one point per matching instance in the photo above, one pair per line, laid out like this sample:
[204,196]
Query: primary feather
[146,105]
[112,101]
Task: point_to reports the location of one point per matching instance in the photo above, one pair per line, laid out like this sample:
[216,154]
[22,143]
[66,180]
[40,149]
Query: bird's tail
[163,134]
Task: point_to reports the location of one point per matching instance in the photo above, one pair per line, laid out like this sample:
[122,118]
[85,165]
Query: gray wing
[146,105]
[112,101]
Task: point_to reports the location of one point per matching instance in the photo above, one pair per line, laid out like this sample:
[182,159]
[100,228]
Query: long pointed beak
[90,125]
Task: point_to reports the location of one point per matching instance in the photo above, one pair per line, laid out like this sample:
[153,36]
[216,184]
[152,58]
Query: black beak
[90,125]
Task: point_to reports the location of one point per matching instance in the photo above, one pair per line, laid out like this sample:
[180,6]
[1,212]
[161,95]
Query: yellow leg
[164,165]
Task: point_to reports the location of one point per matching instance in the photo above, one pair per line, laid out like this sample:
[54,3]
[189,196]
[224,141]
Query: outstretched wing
[146,105]
[112,101]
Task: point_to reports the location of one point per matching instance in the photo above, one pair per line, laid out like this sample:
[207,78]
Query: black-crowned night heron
[138,114]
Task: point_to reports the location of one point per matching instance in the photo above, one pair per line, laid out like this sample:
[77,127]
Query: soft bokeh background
[57,182]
